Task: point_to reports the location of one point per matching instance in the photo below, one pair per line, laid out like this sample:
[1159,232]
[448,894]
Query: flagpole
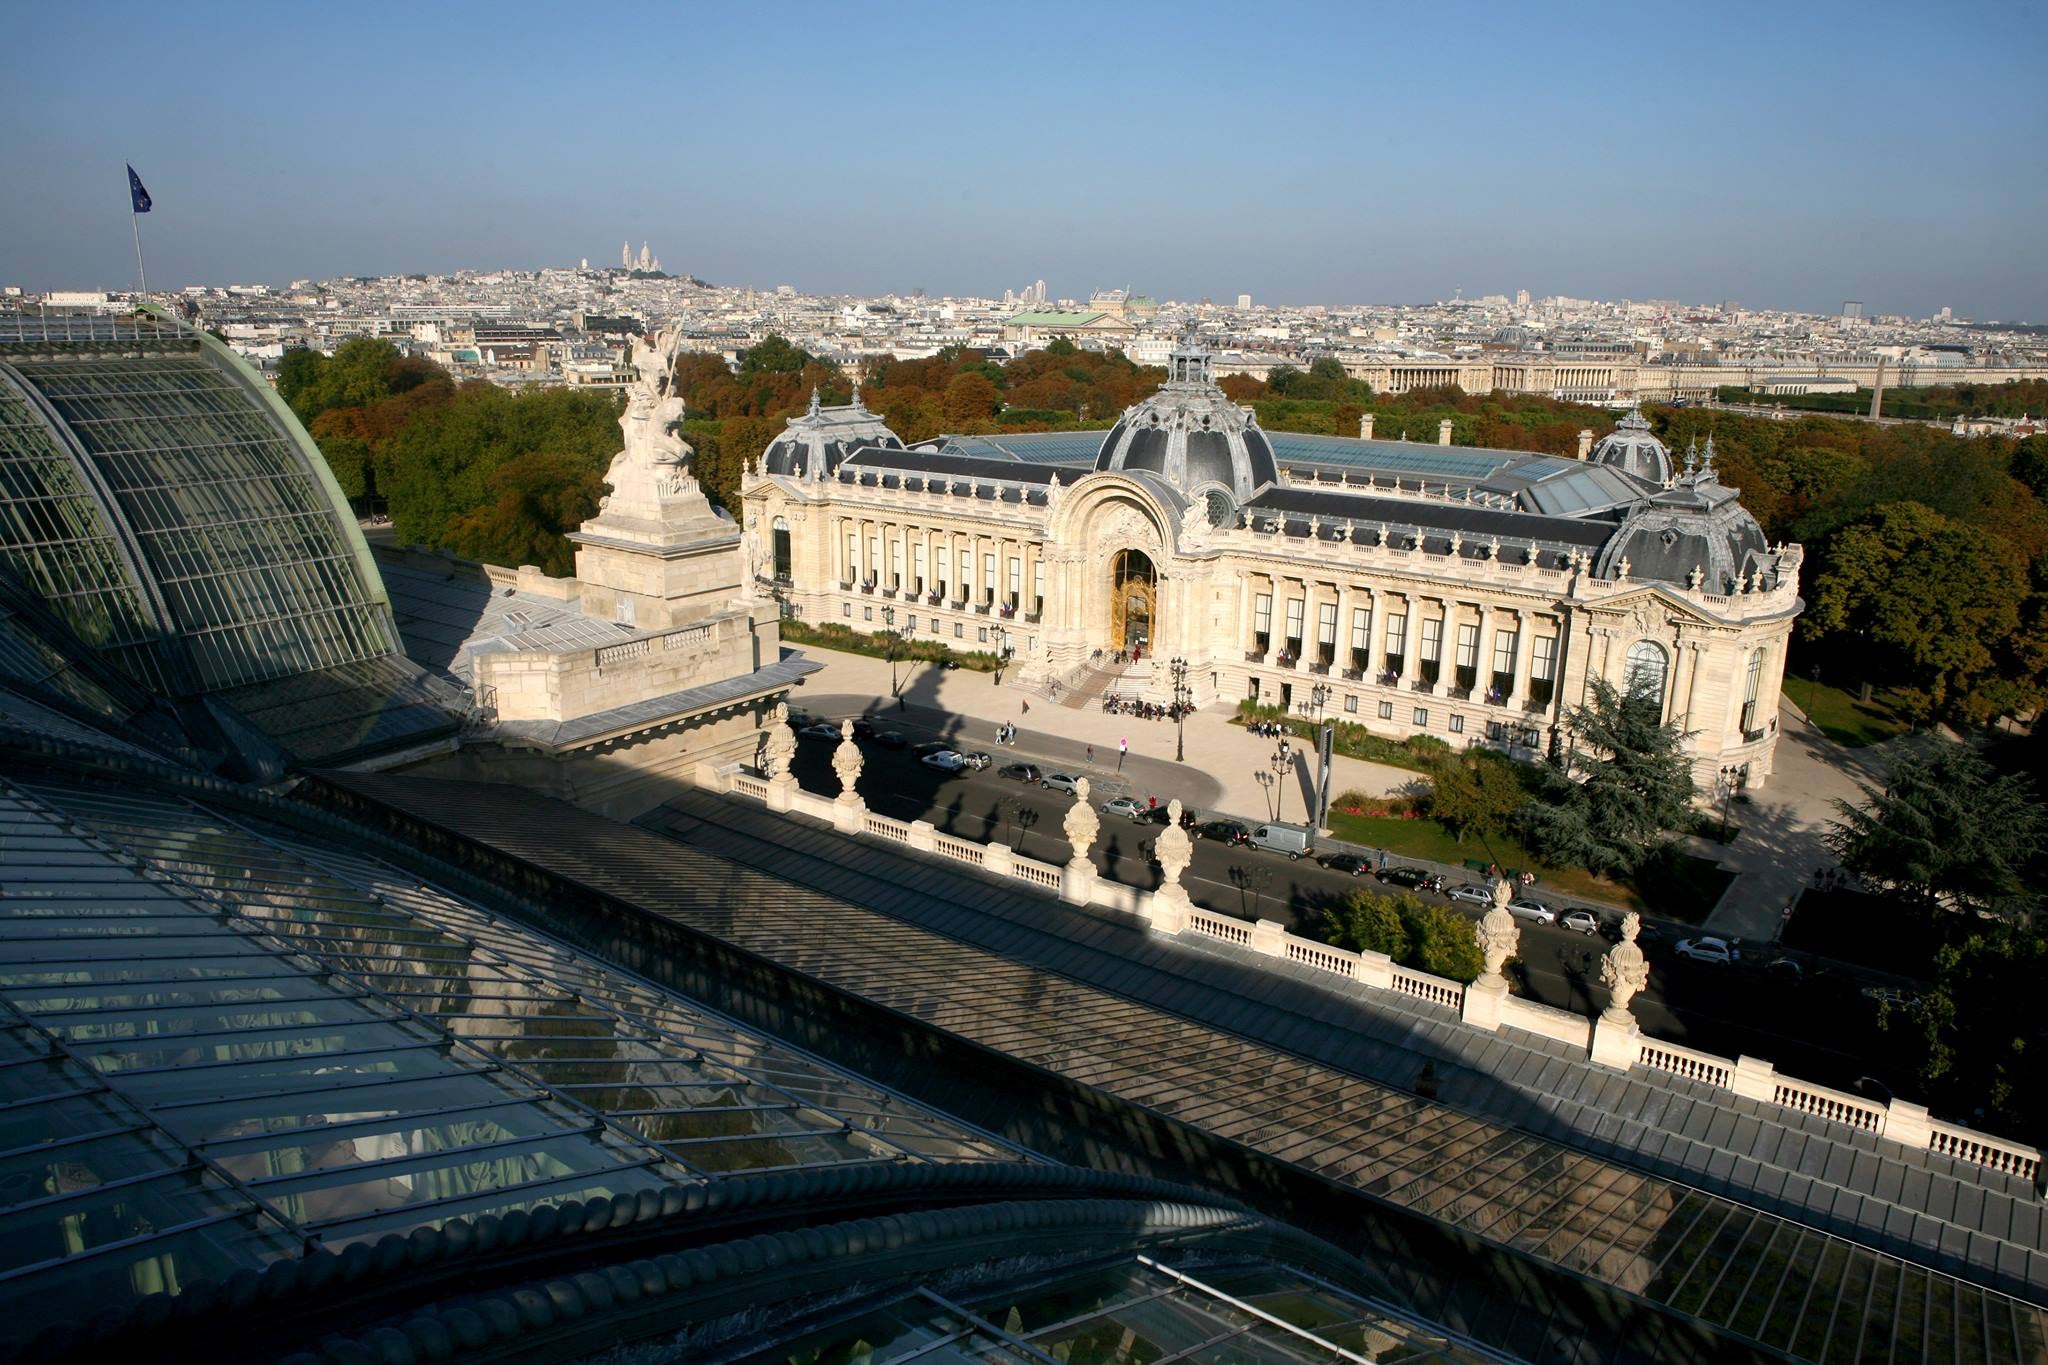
[135,222]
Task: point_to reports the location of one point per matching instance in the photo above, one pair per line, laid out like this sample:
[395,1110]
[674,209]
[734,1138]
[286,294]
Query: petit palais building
[1473,595]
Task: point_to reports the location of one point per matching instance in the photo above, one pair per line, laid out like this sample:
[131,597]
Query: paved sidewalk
[1216,749]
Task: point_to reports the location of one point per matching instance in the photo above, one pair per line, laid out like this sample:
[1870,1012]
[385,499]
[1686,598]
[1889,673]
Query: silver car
[1059,782]
[1581,921]
[1534,911]
[1472,893]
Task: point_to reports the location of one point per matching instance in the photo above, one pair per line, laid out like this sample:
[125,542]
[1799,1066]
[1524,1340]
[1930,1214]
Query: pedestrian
[1151,803]
[1091,753]
[1027,708]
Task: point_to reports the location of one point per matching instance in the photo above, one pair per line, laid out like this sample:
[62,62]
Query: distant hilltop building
[647,260]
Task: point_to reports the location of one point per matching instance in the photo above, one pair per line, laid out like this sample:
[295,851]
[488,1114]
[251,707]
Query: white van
[1293,840]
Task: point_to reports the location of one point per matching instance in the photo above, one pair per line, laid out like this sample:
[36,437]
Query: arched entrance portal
[1133,599]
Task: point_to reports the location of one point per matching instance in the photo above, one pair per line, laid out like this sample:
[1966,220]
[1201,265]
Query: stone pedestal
[1167,909]
[1269,936]
[1000,860]
[1617,1043]
[1754,1078]
[1908,1124]
[1077,882]
[781,793]
[1483,1000]
[848,813]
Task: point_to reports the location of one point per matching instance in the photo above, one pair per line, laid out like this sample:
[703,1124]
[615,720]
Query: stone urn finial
[1081,823]
[846,762]
[1624,971]
[778,746]
[1497,932]
[1173,849]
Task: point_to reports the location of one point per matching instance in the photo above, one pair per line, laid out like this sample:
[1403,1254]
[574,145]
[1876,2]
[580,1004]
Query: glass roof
[221,1042]
[244,546]
[1390,457]
[1031,447]
[1138,1310]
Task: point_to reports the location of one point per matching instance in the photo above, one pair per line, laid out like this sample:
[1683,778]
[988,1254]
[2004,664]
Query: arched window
[781,550]
[1750,688]
[1647,667]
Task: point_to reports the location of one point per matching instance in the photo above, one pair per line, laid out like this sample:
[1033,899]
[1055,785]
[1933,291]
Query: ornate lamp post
[1730,777]
[1178,668]
[1282,763]
[1002,635]
[889,644]
[1317,695]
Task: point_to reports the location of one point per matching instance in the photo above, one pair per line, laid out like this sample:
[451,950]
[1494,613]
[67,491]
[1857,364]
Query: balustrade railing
[1434,989]
[1683,1061]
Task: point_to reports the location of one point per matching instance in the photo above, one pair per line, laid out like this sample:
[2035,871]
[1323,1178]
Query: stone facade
[1366,604]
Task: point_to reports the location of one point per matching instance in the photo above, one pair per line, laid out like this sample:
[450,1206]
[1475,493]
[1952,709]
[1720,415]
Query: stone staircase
[1090,683]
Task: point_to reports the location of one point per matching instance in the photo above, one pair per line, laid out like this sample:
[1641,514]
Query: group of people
[1144,710]
[1006,733]
[1120,656]
[1267,729]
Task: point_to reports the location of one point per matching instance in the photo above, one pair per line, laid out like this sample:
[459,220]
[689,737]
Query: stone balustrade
[1753,1078]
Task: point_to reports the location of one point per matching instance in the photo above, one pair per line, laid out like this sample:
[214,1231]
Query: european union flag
[137,195]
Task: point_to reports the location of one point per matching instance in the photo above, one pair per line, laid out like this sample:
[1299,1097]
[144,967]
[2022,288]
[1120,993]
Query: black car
[1156,815]
[1409,877]
[1022,772]
[863,729]
[1346,862]
[892,739]
[1223,831]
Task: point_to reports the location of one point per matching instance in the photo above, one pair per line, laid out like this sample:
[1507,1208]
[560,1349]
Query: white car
[820,731]
[1536,912]
[1581,922]
[1472,893]
[1711,950]
[1059,782]
[945,760]
[1126,806]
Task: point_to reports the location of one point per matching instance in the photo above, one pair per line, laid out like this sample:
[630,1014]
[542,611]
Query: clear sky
[1793,154]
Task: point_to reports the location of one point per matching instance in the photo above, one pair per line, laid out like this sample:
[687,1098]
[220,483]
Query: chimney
[1365,427]
[1585,442]
[1443,432]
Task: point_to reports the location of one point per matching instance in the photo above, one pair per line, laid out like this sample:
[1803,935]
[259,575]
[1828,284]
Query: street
[1819,1030]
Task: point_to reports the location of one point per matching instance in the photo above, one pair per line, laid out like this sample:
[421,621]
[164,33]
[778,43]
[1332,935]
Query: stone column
[1617,1038]
[1365,427]
[778,747]
[1168,907]
[1443,432]
[1411,636]
[1077,878]
[1525,654]
[847,808]
[1499,936]
[1482,652]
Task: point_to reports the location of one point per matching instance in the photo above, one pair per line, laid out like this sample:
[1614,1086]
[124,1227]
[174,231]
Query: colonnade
[898,556]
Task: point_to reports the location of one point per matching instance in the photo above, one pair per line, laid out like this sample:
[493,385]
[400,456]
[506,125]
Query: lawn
[1842,718]
[1677,886]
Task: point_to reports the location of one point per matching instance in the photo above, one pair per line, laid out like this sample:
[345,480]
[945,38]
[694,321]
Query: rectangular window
[1422,716]
[1262,614]
[1468,646]
[1016,578]
[1543,657]
[917,564]
[912,629]
[1326,624]
[867,613]
[1504,651]
[1038,587]
[1361,629]
[1386,710]
[895,563]
[874,564]
[966,575]
[1295,605]
[988,578]
[958,632]
[1432,641]
[846,610]
[852,557]
[1457,724]
[1351,703]
[981,634]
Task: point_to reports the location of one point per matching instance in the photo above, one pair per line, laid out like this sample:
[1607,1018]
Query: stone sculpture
[778,745]
[1174,850]
[1624,971]
[1081,824]
[653,463]
[846,763]
[1499,936]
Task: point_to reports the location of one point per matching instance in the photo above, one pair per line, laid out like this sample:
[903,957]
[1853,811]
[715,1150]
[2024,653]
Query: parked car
[1348,863]
[863,729]
[978,760]
[945,760]
[1059,782]
[1412,878]
[1580,922]
[1534,911]
[820,731]
[1472,893]
[1293,840]
[1021,772]
[1789,970]
[1223,831]
[1127,806]
[932,746]
[1716,952]
[892,739]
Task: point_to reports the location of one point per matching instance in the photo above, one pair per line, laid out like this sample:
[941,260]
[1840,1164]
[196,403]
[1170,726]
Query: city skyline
[1327,157]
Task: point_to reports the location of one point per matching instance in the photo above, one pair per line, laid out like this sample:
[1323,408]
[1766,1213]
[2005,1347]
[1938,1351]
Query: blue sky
[1787,155]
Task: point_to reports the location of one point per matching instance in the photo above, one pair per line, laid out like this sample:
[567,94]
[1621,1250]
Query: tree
[1949,830]
[1444,942]
[1929,603]
[1368,922]
[971,400]
[774,354]
[1476,792]
[535,499]
[1623,781]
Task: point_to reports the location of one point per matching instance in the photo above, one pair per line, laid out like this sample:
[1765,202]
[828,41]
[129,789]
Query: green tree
[1476,792]
[1445,944]
[774,354]
[1949,830]
[1368,922]
[535,498]
[1623,781]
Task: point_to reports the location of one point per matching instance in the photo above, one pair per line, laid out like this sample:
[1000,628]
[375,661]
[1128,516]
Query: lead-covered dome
[1192,437]
[1633,449]
[814,444]
[1695,533]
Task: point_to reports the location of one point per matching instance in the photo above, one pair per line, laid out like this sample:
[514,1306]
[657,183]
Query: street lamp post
[1317,695]
[1730,775]
[1002,635]
[1283,764]
[889,644]
[1178,668]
